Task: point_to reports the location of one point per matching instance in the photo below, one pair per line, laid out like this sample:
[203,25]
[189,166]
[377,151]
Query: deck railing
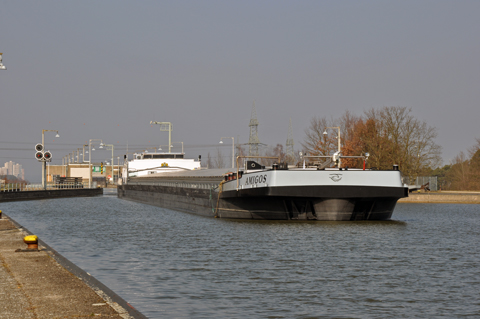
[182,184]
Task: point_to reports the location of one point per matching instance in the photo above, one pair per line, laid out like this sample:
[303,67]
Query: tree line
[390,135]
[463,173]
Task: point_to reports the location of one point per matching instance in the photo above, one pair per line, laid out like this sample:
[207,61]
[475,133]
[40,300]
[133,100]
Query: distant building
[9,166]
[13,169]
[16,170]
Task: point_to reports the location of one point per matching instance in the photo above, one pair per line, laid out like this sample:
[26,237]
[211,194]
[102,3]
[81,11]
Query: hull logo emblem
[335,177]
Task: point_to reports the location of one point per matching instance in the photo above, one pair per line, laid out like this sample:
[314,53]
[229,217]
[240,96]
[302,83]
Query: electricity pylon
[253,141]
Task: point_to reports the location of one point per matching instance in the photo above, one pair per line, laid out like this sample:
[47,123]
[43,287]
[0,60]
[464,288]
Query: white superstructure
[154,163]
[312,177]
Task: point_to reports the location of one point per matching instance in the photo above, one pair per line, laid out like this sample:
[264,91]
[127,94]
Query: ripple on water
[425,263]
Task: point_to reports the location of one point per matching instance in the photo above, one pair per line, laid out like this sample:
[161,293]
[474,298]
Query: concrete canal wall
[41,283]
[443,198]
[48,194]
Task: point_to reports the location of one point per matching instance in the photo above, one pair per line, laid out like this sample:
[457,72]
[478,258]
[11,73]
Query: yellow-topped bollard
[0,214]
[31,241]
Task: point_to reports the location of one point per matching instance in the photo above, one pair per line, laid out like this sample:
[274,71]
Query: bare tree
[209,161]
[413,141]
[474,149]
[240,150]
[347,124]
[219,160]
[277,152]
[392,135]
[463,173]
[459,173]
[474,164]
[316,143]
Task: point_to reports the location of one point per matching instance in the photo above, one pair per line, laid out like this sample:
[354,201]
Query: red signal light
[39,155]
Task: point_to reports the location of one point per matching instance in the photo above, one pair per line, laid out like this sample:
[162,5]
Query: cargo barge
[277,192]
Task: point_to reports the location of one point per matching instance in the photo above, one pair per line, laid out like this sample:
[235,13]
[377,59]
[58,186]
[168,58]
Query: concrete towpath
[43,284]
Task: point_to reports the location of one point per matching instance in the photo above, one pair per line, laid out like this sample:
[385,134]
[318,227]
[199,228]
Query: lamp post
[111,145]
[233,149]
[118,168]
[78,155]
[90,159]
[166,126]
[65,159]
[65,167]
[150,148]
[178,142]
[338,137]
[2,67]
[83,153]
[44,163]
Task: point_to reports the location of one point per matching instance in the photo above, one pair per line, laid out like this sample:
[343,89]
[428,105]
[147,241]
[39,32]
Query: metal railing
[13,187]
[21,187]
[177,184]
[429,182]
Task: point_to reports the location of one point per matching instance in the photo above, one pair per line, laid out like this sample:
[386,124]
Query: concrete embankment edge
[111,298]
[442,198]
[49,194]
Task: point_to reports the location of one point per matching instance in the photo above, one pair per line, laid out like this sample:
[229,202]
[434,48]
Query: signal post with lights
[44,156]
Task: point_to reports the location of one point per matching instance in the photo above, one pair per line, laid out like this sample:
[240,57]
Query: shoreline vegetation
[443,197]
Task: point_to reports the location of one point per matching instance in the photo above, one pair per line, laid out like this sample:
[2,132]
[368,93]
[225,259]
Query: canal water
[425,263]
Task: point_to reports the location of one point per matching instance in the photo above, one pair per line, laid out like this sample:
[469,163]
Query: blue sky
[105,69]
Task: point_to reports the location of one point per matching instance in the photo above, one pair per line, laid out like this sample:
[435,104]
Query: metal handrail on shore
[22,187]
[11,187]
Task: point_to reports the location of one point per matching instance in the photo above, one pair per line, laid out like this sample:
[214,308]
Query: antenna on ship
[290,150]
[253,141]
[164,127]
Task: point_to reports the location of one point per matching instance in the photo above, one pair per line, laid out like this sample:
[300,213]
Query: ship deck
[204,175]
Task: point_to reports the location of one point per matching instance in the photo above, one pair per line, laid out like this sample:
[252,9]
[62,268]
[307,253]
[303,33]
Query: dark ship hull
[296,194]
